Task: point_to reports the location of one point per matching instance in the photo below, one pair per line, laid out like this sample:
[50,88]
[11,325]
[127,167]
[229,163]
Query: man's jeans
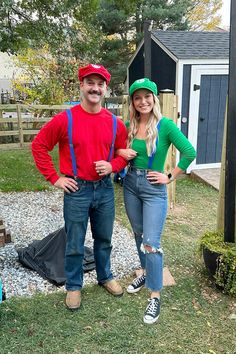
[146,207]
[94,200]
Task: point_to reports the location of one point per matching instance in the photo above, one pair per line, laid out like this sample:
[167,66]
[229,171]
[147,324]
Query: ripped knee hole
[151,249]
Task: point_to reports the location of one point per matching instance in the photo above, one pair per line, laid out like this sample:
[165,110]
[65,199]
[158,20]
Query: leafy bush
[225,276]
[45,78]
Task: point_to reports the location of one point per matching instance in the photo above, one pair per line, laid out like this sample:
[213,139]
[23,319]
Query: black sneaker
[137,284]
[152,311]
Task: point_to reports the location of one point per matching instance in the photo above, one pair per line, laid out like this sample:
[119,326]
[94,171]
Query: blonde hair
[151,128]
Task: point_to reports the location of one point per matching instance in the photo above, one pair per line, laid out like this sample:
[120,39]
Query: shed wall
[136,69]
[163,68]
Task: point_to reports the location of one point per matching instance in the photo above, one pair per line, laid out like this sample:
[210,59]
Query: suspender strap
[114,120]
[151,158]
[72,152]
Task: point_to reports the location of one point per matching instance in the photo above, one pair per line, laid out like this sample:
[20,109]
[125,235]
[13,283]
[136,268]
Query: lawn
[195,316]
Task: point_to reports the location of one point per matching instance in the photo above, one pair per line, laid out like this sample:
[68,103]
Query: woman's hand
[155,177]
[127,154]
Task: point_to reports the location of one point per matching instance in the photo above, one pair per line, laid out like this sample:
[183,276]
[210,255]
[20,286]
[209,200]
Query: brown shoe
[113,287]
[73,300]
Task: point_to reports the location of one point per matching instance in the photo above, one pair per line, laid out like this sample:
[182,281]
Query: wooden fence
[19,123]
[169,108]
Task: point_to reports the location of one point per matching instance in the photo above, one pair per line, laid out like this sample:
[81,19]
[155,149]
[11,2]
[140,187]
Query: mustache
[94,92]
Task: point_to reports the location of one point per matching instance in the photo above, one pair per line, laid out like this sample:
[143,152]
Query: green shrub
[225,276]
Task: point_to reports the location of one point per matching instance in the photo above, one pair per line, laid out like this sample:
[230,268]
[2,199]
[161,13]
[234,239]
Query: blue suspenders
[72,152]
[114,121]
[123,172]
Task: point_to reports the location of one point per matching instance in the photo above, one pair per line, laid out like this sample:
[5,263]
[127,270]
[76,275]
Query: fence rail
[19,123]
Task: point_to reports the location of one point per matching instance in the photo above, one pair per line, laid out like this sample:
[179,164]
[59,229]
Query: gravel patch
[33,215]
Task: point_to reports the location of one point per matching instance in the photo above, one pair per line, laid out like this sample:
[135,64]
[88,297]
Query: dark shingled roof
[195,45]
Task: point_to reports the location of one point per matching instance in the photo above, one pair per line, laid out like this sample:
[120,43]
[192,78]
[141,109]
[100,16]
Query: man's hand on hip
[67,184]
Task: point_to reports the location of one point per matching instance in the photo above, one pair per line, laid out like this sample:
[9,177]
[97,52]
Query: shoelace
[152,307]
[139,280]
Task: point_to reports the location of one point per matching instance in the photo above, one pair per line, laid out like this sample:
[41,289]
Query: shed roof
[195,45]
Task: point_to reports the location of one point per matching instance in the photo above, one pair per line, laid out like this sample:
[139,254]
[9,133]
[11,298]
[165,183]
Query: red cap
[94,69]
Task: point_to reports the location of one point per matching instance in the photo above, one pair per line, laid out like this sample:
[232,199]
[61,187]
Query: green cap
[143,84]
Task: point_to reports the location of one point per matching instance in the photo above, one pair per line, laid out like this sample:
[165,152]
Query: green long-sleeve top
[168,133]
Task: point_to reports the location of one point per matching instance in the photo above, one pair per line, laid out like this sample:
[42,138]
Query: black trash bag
[46,257]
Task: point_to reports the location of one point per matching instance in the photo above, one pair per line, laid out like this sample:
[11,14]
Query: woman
[145,196]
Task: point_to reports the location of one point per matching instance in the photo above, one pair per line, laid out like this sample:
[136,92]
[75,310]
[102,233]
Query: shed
[195,66]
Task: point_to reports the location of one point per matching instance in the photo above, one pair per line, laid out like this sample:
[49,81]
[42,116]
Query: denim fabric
[146,207]
[94,200]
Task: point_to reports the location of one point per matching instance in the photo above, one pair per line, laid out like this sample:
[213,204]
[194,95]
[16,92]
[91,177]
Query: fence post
[20,126]
[221,199]
[125,107]
[168,102]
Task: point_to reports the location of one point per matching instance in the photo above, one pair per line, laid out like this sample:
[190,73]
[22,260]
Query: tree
[202,15]
[122,25]
[106,31]
[44,79]
[60,24]
[57,31]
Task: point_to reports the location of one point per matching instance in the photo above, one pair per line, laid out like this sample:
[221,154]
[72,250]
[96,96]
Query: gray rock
[33,215]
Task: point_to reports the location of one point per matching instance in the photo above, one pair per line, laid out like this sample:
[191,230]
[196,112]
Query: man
[89,194]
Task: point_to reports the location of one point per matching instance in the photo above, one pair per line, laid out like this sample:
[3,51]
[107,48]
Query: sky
[225,13]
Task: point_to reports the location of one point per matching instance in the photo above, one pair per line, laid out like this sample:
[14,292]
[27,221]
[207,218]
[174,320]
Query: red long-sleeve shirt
[92,137]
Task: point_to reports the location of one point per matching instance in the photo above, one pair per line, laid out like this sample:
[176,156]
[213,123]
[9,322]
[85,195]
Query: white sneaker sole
[150,321]
[133,291]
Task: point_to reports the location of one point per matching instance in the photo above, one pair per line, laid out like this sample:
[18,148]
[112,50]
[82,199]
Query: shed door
[212,103]
[209,86]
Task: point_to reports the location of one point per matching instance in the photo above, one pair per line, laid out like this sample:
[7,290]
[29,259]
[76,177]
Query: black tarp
[46,257]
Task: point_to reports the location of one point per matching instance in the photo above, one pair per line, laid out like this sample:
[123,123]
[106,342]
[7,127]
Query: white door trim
[196,72]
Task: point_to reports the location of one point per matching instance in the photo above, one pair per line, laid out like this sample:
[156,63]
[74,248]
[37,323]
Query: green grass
[194,316]
[18,171]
